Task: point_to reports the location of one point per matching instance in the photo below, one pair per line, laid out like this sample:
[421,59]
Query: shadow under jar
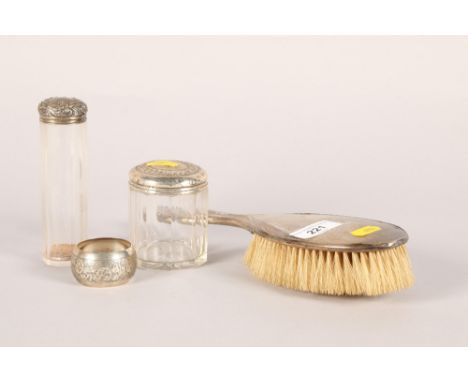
[169,214]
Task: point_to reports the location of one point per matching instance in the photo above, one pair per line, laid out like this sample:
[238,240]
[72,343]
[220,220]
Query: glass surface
[64,170]
[169,231]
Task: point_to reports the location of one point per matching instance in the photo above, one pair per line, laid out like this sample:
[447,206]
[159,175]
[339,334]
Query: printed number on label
[315,229]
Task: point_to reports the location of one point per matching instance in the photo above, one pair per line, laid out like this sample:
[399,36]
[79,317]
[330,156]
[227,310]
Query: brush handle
[233,220]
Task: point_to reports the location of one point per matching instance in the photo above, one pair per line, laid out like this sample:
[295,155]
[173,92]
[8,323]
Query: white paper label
[315,229]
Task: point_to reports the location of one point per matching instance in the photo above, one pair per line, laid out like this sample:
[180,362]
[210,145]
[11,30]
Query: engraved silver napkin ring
[103,262]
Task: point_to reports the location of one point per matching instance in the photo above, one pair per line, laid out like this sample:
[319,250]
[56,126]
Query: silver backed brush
[325,254]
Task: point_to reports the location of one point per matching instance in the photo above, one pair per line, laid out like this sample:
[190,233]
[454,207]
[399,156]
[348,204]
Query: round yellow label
[162,163]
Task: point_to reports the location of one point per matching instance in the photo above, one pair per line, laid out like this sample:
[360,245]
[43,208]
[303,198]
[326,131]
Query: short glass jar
[169,214]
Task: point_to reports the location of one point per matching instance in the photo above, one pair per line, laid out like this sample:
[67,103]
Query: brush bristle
[330,272]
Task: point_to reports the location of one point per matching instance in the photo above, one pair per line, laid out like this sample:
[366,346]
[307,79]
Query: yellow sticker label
[364,231]
[162,163]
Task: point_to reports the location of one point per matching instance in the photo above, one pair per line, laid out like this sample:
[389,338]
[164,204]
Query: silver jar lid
[62,110]
[168,176]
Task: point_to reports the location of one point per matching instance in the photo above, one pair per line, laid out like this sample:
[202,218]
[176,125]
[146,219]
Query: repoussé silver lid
[62,110]
[168,176]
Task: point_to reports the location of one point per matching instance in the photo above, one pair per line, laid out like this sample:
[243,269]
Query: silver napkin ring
[103,262]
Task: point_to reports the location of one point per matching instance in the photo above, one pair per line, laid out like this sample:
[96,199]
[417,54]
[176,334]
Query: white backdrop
[366,126]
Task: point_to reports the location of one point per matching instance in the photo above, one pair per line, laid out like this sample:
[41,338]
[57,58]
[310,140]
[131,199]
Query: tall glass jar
[169,214]
[64,173]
